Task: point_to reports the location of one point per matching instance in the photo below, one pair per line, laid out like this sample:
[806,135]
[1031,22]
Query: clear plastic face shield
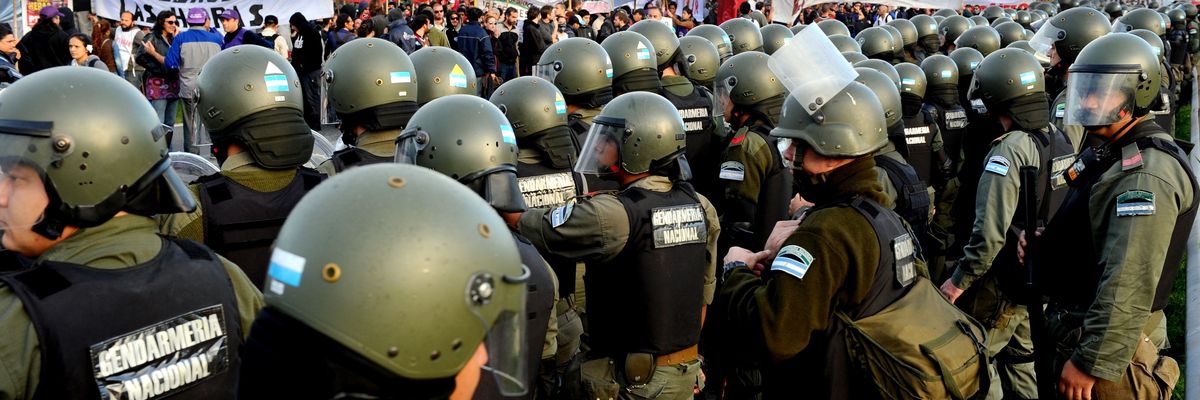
[722,90]
[601,152]
[25,148]
[548,71]
[1043,43]
[1101,98]
[190,167]
[505,341]
[410,142]
[812,69]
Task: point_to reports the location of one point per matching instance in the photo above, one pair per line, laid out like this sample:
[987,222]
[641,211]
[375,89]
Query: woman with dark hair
[102,43]
[8,55]
[343,31]
[366,29]
[81,56]
[161,85]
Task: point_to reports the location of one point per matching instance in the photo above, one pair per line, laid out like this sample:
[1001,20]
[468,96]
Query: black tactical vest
[975,146]
[354,156]
[648,298]
[1164,107]
[169,327]
[827,367]
[696,109]
[1076,272]
[912,197]
[952,122]
[1177,37]
[241,223]
[547,187]
[918,134]
[748,222]
[539,308]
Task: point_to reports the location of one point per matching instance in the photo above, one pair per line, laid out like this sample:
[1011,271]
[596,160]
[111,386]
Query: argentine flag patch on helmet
[794,260]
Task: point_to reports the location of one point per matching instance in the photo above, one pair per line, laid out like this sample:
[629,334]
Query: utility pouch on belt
[639,368]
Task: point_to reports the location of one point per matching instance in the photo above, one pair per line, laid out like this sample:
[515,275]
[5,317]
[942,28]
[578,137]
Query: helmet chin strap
[1124,129]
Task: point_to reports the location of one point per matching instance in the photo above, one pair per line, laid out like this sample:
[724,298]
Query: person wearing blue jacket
[190,50]
[476,45]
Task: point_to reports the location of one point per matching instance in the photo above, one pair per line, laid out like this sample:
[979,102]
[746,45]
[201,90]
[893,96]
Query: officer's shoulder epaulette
[739,137]
[1131,157]
[1001,138]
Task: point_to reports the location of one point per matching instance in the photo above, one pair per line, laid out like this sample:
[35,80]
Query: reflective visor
[601,151]
[548,71]
[1100,98]
[410,143]
[1043,41]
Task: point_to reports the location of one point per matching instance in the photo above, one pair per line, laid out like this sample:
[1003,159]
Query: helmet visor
[722,89]
[23,184]
[1098,99]
[506,353]
[812,69]
[548,71]
[601,152]
[1043,42]
[190,167]
[410,142]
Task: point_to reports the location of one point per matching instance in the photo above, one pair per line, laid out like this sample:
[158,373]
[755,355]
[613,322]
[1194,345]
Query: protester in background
[343,32]
[129,40]
[307,56]
[421,26]
[366,28]
[507,39]
[77,46]
[270,33]
[190,50]
[45,46]
[235,34]
[161,85]
[8,55]
[400,33]
[534,41]
[102,44]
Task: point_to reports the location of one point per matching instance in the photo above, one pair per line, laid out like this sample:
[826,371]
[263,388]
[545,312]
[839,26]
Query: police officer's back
[109,308]
[261,140]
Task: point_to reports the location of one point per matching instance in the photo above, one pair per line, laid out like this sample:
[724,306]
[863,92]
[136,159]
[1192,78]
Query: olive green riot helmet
[1114,10]
[97,145]
[996,22]
[744,35]
[531,105]
[1155,42]
[1023,45]
[443,72]
[845,44]
[1115,77]
[993,12]
[636,133]
[250,95]
[877,43]
[951,27]
[979,20]
[372,83]
[946,13]
[759,18]
[883,67]
[885,90]
[468,139]
[751,84]
[849,125]
[1067,33]
[1142,18]
[854,57]
[717,37]
[580,69]
[940,71]
[1010,32]
[1048,8]
[1006,75]
[1023,17]
[417,308]
[967,60]
[1189,9]
[982,38]
[633,64]
[912,79]
[927,32]
[666,44]
[797,28]
[833,27]
[908,31]
[698,60]
[775,36]
[1035,19]
[1178,17]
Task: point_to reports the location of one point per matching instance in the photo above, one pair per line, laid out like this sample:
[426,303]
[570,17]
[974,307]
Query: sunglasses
[169,22]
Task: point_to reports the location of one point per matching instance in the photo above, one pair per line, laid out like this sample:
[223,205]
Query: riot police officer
[908,33]
[442,72]
[699,61]
[775,36]
[950,29]
[744,35]
[260,139]
[928,42]
[373,88]
[1010,82]
[1126,217]
[77,191]
[650,250]
[982,38]
[705,126]
[457,135]
[877,43]
[582,71]
[547,151]
[634,68]
[1058,42]
[755,184]
[717,36]
[420,318]
[922,136]
[1167,103]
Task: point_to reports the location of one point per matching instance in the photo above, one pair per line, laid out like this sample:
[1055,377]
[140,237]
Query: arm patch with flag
[793,260]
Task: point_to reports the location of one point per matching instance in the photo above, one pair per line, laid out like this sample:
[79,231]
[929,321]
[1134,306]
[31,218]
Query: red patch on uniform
[1131,161]
[737,140]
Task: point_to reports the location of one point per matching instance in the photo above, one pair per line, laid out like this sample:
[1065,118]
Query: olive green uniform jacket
[122,242]
[241,169]
[378,143]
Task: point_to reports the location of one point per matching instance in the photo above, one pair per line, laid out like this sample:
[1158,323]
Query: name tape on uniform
[678,225]
[545,191]
[905,253]
[163,358]
[1058,169]
[956,119]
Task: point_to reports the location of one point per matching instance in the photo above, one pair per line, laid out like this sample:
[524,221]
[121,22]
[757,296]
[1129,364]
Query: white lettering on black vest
[693,118]
[159,359]
[678,225]
[545,191]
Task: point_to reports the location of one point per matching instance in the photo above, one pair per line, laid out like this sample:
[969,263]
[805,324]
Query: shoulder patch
[1134,203]
[560,215]
[793,260]
[1060,110]
[733,171]
[997,165]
